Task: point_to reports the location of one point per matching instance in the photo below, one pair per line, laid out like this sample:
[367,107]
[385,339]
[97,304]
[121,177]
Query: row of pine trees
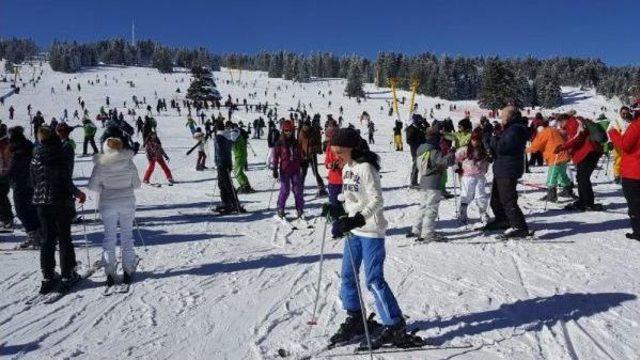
[493,81]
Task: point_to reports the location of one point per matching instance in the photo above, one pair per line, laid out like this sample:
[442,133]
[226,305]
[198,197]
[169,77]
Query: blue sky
[607,29]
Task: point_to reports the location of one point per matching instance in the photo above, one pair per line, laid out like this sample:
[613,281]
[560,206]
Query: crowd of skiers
[556,141]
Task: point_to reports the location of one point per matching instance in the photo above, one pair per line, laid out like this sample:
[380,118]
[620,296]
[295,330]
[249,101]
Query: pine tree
[549,93]
[162,60]
[354,81]
[499,86]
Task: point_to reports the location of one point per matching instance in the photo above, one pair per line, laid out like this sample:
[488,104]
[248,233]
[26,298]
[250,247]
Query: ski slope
[220,288]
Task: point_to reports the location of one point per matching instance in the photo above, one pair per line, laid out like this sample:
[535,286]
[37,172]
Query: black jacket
[415,137]
[21,155]
[50,175]
[508,150]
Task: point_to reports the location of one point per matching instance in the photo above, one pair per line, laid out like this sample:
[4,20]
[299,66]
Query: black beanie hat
[345,137]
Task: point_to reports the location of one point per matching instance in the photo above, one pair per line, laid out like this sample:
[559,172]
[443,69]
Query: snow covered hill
[220,288]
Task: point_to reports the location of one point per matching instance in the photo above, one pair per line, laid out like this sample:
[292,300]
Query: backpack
[596,132]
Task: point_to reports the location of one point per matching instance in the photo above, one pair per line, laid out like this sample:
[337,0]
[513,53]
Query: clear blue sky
[607,29]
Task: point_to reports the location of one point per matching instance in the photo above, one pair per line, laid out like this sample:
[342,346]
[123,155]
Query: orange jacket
[547,141]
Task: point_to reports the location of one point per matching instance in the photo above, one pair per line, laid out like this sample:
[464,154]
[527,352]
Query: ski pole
[313,320]
[362,307]
[140,234]
[273,186]
[251,148]
[86,238]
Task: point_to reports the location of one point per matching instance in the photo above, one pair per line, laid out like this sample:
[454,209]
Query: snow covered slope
[219,288]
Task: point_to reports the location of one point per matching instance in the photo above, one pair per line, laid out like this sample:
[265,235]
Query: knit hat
[63,129]
[288,126]
[345,137]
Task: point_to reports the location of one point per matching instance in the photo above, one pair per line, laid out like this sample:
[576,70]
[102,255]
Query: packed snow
[212,287]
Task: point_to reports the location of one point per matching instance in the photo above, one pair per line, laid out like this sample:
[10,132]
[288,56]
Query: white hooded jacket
[114,176]
[362,192]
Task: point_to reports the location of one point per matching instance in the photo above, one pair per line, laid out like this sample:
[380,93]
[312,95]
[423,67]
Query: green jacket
[459,138]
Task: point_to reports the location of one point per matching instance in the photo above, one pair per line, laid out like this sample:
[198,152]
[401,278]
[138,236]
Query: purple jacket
[286,157]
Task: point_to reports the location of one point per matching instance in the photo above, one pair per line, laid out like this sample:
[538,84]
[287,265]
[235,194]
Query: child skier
[474,158]
[431,163]
[334,171]
[364,223]
[545,142]
[286,167]
[198,136]
[156,154]
[115,177]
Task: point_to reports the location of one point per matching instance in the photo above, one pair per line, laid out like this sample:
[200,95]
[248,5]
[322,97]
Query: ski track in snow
[219,287]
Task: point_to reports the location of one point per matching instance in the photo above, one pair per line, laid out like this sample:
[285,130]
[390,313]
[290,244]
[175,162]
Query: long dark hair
[478,153]
[360,155]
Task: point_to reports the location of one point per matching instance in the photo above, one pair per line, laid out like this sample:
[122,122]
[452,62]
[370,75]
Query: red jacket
[578,143]
[333,167]
[629,145]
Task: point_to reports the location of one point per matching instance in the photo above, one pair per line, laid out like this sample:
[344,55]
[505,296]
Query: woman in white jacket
[114,178]
[362,220]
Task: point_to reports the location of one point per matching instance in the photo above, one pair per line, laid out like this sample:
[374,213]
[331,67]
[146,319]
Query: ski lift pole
[414,88]
[394,83]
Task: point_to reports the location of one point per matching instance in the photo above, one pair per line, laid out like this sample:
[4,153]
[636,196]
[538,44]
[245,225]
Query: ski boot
[633,236]
[281,214]
[322,193]
[447,195]
[394,336]
[110,281]
[495,225]
[567,191]
[552,195]
[575,206]
[127,278]
[431,237]
[594,207]
[411,234]
[68,281]
[6,226]
[513,233]
[352,329]
[48,285]
[462,214]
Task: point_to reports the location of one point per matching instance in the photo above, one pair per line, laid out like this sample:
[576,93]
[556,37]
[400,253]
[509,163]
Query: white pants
[425,220]
[124,214]
[473,187]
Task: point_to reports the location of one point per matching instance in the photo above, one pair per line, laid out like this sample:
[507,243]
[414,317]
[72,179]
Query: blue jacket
[508,150]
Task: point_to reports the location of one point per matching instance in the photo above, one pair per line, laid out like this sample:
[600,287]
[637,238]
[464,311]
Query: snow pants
[583,177]
[239,164]
[371,252]
[504,203]
[25,210]
[397,142]
[557,176]
[631,190]
[225,186]
[55,222]
[152,166]
[334,191]
[617,157]
[114,213]
[6,214]
[312,163]
[473,187]
[202,158]
[289,183]
[89,140]
[425,219]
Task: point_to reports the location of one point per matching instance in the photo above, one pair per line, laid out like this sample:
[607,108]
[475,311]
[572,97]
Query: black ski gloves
[346,223]
[275,173]
[333,212]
